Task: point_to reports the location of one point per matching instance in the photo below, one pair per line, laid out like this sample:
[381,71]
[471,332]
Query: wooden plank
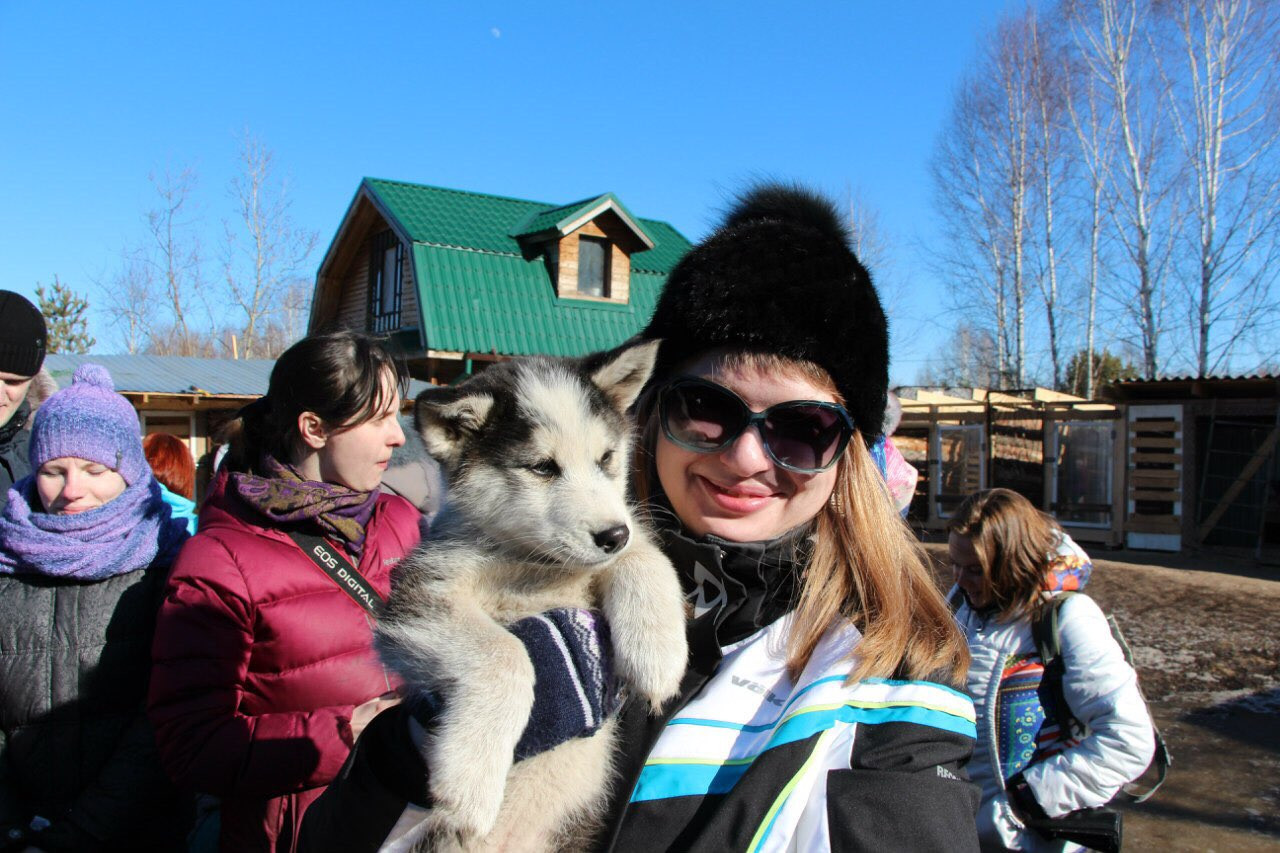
[1146,441]
[1163,458]
[1160,425]
[1170,495]
[1146,477]
[1154,524]
[353,295]
[1061,415]
[1246,474]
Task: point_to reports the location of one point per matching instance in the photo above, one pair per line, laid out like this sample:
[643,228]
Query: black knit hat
[22,335]
[779,276]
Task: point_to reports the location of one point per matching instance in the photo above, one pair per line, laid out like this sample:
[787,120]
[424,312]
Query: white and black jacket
[1102,692]
[746,758]
[756,761]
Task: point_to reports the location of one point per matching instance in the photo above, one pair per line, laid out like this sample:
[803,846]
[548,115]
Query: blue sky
[672,106]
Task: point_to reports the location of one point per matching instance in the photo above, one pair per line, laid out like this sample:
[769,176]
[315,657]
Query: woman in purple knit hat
[85,543]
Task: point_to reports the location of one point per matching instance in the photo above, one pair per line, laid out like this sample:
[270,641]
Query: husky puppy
[536,518]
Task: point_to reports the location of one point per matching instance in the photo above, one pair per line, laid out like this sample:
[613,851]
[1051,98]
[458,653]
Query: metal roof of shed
[175,374]
[1258,385]
[172,374]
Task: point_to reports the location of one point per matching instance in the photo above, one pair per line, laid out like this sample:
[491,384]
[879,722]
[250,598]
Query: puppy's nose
[613,539]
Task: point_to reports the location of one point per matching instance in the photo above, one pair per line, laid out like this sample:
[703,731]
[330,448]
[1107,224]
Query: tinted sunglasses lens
[702,417]
[805,437]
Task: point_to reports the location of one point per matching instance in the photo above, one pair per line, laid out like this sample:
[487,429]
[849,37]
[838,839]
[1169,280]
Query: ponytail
[339,376]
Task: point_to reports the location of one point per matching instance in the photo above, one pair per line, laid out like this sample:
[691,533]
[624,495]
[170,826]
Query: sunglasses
[805,436]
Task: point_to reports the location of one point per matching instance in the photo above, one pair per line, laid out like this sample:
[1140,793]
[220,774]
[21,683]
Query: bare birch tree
[1114,39]
[266,253]
[1010,61]
[984,176]
[972,256]
[1046,59]
[1224,97]
[130,296]
[174,255]
[1093,127]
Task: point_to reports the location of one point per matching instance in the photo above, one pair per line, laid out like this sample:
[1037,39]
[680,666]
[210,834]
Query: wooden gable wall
[346,286]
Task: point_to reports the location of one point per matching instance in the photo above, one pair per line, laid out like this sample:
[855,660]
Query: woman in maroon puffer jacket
[263,668]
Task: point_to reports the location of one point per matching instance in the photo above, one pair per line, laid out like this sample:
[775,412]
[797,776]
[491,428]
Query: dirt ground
[1205,634]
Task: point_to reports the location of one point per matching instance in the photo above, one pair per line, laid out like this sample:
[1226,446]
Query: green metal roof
[553,218]
[559,219]
[479,293]
[489,223]
[477,302]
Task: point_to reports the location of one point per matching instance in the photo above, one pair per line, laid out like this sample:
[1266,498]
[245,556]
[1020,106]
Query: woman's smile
[739,493]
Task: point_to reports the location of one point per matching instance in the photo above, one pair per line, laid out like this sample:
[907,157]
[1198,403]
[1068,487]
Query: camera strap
[340,571]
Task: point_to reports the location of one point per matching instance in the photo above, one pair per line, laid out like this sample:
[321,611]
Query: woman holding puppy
[819,709]
[264,673]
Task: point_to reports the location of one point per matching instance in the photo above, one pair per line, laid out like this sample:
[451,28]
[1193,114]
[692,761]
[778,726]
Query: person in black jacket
[22,344]
[821,708]
[85,543]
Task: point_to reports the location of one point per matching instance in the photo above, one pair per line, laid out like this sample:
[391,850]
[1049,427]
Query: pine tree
[65,319]
[1107,368]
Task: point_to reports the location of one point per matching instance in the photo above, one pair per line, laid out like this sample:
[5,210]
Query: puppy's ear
[446,418]
[620,374]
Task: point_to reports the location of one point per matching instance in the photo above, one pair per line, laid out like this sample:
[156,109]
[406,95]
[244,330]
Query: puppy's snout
[610,541]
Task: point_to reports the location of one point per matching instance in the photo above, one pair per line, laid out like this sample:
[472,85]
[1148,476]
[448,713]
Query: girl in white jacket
[1009,559]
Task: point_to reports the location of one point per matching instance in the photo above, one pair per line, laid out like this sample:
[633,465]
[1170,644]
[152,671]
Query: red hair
[171,462]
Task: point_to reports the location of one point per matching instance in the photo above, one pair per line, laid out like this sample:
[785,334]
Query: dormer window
[586,246]
[593,266]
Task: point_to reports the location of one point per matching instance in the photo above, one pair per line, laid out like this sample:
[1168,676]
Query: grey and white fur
[536,517]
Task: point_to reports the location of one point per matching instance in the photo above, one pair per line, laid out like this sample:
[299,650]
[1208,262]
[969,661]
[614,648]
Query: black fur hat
[779,276]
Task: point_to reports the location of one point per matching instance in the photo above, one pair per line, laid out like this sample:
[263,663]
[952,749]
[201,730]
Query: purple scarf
[283,496]
[126,534]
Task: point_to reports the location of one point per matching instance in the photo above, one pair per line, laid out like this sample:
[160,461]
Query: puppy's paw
[441,837]
[471,751]
[645,610]
[466,806]
[652,663]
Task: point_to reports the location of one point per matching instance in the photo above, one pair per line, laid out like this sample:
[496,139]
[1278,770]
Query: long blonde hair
[866,567]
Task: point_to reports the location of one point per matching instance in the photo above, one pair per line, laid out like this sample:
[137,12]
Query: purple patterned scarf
[284,496]
[126,534]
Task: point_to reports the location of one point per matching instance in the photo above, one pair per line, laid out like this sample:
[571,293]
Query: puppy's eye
[546,468]
[606,458]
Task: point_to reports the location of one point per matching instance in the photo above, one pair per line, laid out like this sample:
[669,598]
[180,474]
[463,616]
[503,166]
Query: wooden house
[456,278]
[1203,464]
[1161,464]
[1061,452]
